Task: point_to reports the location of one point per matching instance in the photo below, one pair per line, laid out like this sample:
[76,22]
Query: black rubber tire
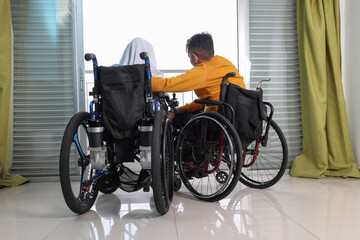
[271,161]
[81,201]
[162,162]
[233,162]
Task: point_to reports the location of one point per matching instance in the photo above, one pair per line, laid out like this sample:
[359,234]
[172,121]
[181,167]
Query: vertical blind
[274,54]
[43,83]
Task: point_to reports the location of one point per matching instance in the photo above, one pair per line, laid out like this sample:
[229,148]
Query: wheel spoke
[270,163]
[206,151]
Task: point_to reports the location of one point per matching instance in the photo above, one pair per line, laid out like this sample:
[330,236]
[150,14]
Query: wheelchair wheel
[209,156]
[106,186]
[79,194]
[264,166]
[162,162]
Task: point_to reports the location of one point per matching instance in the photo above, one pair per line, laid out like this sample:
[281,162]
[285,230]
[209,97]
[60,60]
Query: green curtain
[6,98]
[327,149]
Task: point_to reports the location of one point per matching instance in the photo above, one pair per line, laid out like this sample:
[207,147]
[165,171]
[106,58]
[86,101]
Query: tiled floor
[292,209]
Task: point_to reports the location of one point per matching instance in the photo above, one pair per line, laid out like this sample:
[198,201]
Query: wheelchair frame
[254,173]
[100,170]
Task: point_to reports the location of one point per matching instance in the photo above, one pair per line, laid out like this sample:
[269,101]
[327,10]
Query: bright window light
[109,25]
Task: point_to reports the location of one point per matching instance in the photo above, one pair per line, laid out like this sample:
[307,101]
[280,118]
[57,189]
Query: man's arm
[193,79]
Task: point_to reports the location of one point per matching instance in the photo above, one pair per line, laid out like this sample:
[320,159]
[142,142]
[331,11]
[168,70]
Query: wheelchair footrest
[146,184]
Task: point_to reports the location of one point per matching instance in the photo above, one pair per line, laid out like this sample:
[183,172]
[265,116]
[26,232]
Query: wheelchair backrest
[249,109]
[122,97]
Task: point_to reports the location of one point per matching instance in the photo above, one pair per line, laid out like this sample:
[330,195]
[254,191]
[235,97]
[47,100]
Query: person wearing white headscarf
[132,52]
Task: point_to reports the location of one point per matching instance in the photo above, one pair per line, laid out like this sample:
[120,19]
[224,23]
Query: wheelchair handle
[262,80]
[225,78]
[148,88]
[223,85]
[144,55]
[89,56]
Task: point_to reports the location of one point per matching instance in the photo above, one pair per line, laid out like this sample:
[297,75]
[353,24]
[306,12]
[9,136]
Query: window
[110,25]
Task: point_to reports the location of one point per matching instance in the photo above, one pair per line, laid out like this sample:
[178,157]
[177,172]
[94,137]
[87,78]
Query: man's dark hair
[202,45]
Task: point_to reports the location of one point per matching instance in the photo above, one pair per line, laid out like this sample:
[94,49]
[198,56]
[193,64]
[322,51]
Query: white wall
[351,69]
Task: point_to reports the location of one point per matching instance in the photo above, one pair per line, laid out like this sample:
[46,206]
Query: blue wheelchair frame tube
[78,147]
[99,172]
[95,65]
[148,71]
[148,88]
[156,105]
[91,109]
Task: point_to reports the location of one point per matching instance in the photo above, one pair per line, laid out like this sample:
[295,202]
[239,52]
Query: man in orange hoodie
[205,78]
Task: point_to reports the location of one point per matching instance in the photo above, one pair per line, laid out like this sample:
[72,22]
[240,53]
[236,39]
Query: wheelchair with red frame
[241,142]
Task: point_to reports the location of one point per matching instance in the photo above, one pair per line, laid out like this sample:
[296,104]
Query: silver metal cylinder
[145,157]
[98,157]
[145,129]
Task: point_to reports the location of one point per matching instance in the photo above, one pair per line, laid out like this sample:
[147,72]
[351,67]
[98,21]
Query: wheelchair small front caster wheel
[107,186]
[177,184]
[221,176]
[147,184]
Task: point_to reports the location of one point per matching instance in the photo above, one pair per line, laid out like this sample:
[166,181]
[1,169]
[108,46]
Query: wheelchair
[240,143]
[126,123]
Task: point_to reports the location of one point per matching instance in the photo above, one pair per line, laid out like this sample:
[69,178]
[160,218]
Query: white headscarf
[132,52]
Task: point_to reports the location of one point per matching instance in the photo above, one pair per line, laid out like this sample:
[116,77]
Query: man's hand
[171,115]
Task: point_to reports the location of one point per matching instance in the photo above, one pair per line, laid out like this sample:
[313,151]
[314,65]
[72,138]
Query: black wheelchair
[241,142]
[126,123]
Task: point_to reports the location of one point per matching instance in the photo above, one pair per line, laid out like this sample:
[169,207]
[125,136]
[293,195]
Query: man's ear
[196,58]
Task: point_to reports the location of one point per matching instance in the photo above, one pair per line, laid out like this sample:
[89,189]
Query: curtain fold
[327,149]
[6,99]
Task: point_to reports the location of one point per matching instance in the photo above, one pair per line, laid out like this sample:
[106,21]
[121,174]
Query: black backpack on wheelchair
[249,108]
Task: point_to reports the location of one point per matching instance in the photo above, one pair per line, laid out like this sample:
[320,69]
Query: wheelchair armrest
[208,102]
[161,95]
[218,103]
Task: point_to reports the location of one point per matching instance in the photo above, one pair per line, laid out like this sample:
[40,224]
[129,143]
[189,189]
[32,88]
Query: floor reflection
[244,215]
[111,218]
[295,208]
